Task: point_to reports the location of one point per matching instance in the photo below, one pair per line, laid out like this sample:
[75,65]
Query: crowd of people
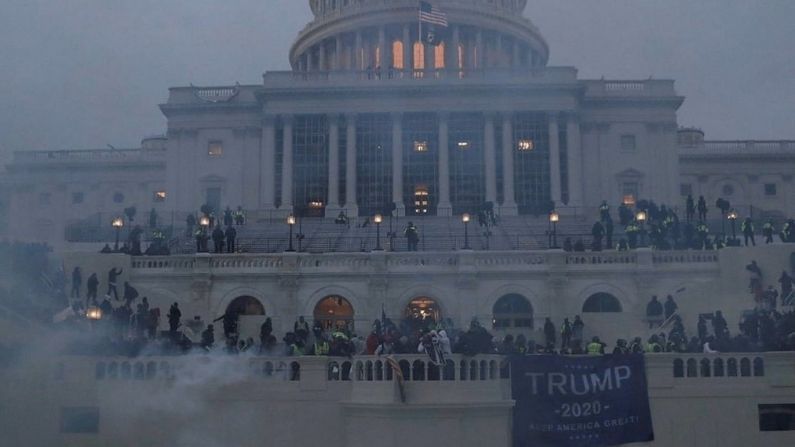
[663,229]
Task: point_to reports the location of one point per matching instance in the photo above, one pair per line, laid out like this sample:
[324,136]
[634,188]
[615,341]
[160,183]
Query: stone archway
[421,313]
[334,312]
[512,311]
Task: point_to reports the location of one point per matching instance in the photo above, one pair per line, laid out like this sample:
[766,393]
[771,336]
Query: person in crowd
[719,326]
[113,276]
[218,239]
[596,347]
[174,317]
[786,288]
[577,328]
[153,218]
[301,329]
[702,209]
[708,349]
[604,211]
[228,218]
[320,347]
[130,294]
[77,282]
[621,347]
[670,307]
[231,235]
[653,346]
[549,332]
[229,320]
[702,232]
[565,335]
[690,208]
[747,228]
[240,216]
[755,283]
[654,312]
[597,232]
[768,230]
[412,236]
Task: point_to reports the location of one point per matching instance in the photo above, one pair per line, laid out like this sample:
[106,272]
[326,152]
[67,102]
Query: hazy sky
[86,73]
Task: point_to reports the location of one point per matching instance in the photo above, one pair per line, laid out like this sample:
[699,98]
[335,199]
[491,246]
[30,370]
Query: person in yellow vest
[653,345]
[595,347]
[320,347]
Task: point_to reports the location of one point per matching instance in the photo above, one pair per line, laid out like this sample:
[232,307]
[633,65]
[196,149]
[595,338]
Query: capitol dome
[355,35]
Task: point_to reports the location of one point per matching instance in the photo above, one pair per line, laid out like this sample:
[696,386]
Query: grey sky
[84,73]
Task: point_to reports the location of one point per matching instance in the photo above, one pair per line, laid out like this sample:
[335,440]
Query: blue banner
[592,401]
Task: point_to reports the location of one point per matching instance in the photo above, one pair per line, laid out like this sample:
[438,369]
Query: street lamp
[732,216]
[290,223]
[117,223]
[466,218]
[378,219]
[641,218]
[204,222]
[554,218]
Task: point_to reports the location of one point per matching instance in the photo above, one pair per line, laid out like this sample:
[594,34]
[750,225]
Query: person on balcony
[654,312]
[690,208]
[598,232]
[768,230]
[702,209]
[174,317]
[231,236]
[670,307]
[565,335]
[549,332]
[113,275]
[218,239]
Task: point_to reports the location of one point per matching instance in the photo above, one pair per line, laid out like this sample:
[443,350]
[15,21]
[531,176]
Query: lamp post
[290,223]
[378,219]
[554,218]
[732,216]
[466,218]
[117,223]
[641,218]
[204,223]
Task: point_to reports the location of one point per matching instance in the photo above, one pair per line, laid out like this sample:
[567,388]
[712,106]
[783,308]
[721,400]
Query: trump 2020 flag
[591,401]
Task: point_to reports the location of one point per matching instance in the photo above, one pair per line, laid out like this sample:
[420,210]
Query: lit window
[215,149]
[421,198]
[525,145]
[397,55]
[439,56]
[463,145]
[159,196]
[420,146]
[628,143]
[770,189]
[315,204]
[78,197]
[419,56]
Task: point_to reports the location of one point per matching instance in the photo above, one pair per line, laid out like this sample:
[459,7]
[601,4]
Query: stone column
[397,164]
[478,59]
[358,62]
[407,50]
[338,65]
[287,164]
[574,154]
[332,203]
[489,159]
[310,61]
[444,208]
[351,205]
[321,60]
[517,54]
[268,163]
[508,207]
[554,160]
[383,60]
[453,51]
[498,50]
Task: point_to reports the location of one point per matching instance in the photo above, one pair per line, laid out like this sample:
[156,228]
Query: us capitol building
[369,116]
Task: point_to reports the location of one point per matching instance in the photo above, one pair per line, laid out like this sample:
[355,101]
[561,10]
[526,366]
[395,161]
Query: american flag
[431,14]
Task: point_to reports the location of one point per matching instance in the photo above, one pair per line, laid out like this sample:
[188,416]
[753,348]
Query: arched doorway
[421,313]
[334,312]
[246,305]
[250,316]
[512,311]
[601,303]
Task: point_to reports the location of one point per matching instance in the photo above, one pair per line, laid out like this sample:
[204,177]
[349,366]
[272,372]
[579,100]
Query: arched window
[512,311]
[601,302]
[397,55]
[439,54]
[419,56]
[246,305]
[679,368]
[334,312]
[422,312]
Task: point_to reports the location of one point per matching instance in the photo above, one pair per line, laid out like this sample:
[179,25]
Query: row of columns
[361,57]
[444,207]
